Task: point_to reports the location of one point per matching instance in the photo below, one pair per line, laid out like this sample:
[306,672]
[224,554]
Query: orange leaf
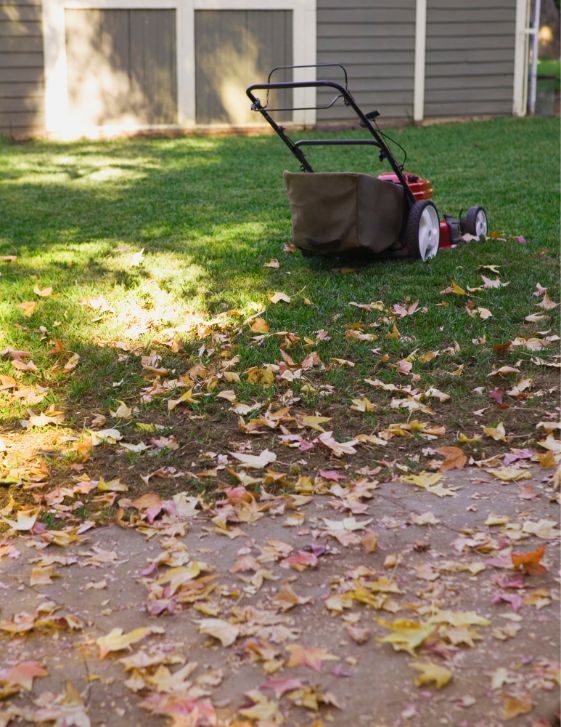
[529,562]
[308,656]
[454,458]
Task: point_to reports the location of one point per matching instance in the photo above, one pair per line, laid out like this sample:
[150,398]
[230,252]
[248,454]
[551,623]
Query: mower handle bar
[295,147]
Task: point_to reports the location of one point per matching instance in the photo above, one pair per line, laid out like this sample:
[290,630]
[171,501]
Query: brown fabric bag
[335,212]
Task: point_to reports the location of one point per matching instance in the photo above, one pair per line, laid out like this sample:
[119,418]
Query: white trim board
[56,84]
[520,81]
[420,56]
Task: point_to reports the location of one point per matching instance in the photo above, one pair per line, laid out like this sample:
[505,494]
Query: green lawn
[207,214]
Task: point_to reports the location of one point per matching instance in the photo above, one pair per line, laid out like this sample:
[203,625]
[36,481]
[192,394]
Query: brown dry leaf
[260,325]
[547,303]
[455,459]
[255,461]
[72,362]
[27,308]
[358,635]
[514,706]
[274,263]
[222,630]
[279,297]
[42,292]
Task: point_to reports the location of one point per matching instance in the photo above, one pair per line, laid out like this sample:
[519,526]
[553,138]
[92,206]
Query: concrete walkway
[108,579]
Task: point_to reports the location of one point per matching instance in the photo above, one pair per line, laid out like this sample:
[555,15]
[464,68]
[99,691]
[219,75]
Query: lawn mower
[336,212]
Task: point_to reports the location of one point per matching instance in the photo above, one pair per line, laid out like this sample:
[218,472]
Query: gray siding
[234,48]
[469,57]
[22,83]
[121,66]
[375,41]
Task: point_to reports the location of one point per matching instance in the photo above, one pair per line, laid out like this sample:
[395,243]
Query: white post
[420,48]
[534,67]
[520,80]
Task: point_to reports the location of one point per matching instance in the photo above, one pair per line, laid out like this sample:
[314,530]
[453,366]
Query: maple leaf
[509,474]
[546,302]
[260,325]
[515,706]
[405,635]
[25,520]
[338,448]
[22,674]
[455,459]
[222,630]
[279,297]
[430,672]
[27,308]
[116,640]
[497,433]
[454,289]
[42,292]
[282,686]
[529,562]
[308,656]
[255,461]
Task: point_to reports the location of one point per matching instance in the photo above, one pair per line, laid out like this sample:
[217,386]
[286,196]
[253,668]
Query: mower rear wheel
[422,230]
[474,222]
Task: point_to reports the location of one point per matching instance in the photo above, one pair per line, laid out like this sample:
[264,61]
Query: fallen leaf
[430,672]
[260,325]
[279,297]
[222,630]
[308,656]
[529,562]
[515,706]
[405,635]
[455,459]
[116,640]
[42,292]
[255,461]
[497,433]
[27,308]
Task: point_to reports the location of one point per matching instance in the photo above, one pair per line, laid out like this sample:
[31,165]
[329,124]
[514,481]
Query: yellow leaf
[122,411]
[314,422]
[510,474]
[263,376]
[25,520]
[187,397]
[497,520]
[497,433]
[363,405]
[405,635]
[430,672]
[116,640]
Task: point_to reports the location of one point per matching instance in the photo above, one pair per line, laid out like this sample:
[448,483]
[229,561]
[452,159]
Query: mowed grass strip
[140,237]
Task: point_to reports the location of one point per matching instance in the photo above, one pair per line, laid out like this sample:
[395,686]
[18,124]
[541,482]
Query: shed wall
[469,57]
[22,80]
[375,41]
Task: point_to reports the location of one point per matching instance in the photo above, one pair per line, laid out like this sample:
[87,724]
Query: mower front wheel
[474,222]
[422,230]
